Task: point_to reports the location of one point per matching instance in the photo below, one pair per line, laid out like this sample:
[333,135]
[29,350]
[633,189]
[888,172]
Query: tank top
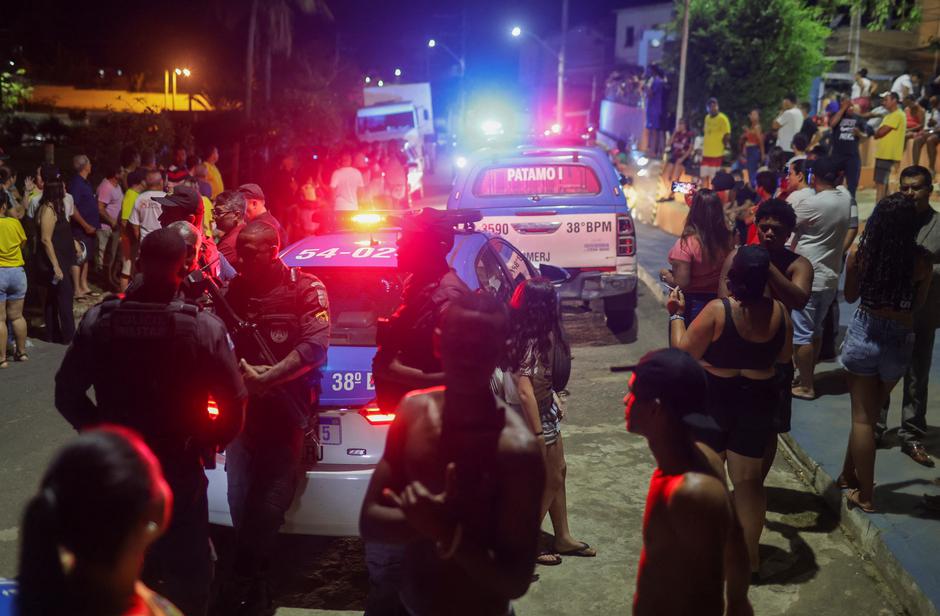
[732,351]
[62,242]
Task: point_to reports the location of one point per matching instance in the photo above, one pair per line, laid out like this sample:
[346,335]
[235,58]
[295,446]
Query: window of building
[628,37]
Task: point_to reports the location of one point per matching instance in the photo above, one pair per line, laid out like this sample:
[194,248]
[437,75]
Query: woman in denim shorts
[532,320]
[12,280]
[880,339]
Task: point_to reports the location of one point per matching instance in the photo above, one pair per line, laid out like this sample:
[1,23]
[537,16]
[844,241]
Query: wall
[640,19]
[68,97]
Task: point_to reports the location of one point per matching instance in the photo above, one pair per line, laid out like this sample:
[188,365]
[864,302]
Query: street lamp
[516,32]
[177,72]
[368,79]
[380,83]
[398,72]
[462,63]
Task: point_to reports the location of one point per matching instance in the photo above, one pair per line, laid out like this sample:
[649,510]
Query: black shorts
[745,410]
[784,409]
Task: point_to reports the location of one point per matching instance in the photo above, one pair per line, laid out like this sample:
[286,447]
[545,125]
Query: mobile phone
[684,188]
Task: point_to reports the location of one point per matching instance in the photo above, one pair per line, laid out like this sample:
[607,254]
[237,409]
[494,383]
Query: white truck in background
[401,112]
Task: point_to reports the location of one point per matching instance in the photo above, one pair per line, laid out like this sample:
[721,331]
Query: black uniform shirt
[164,398]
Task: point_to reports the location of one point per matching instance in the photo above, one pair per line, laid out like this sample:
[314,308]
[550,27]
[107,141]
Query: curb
[652,283]
[869,537]
[857,525]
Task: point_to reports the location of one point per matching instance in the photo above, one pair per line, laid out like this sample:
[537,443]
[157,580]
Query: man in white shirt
[145,217]
[822,222]
[346,183]
[907,84]
[788,124]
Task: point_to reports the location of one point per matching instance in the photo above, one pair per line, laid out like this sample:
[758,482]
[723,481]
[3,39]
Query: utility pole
[559,112]
[855,36]
[683,53]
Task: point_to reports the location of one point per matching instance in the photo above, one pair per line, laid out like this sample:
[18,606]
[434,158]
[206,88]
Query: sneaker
[917,453]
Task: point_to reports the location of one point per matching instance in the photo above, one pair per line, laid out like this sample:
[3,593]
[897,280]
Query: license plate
[331,431]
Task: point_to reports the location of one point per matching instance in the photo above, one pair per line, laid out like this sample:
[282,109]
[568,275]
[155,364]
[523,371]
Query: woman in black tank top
[739,341]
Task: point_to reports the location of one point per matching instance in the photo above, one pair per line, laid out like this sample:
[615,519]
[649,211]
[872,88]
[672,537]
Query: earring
[152,527]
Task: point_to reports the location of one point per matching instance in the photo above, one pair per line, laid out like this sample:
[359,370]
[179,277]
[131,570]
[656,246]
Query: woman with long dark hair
[56,257]
[533,325]
[100,505]
[880,339]
[698,255]
[739,340]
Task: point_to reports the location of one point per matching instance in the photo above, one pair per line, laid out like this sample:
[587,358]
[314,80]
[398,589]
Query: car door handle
[527,228]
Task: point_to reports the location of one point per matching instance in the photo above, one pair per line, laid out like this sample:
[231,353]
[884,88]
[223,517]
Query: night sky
[209,35]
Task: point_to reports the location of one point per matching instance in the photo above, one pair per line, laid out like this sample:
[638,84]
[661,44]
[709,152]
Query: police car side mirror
[558,275]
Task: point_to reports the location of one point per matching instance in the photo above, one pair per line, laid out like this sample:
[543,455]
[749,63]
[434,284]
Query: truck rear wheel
[620,311]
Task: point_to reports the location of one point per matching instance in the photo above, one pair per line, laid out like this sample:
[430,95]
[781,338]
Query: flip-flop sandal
[4,364]
[802,396]
[21,357]
[548,559]
[852,501]
[584,550]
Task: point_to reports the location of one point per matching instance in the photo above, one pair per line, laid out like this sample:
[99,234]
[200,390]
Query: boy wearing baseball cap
[693,547]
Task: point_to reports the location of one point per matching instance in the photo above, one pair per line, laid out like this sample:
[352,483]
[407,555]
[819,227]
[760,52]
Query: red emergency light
[212,408]
[376,416]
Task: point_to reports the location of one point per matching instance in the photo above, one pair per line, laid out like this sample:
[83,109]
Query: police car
[563,206]
[359,271]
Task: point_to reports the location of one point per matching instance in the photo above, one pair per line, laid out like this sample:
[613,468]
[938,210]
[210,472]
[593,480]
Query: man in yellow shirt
[215,176]
[889,149]
[717,139]
[135,184]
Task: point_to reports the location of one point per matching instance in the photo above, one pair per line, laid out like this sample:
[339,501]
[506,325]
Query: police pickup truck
[562,206]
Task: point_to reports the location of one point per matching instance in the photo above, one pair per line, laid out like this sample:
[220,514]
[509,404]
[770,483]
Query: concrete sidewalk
[903,540]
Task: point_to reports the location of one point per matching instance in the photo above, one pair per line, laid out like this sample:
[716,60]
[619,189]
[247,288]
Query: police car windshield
[358,298]
[536,179]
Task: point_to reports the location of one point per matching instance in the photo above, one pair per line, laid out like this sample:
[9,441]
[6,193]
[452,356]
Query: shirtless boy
[694,560]
[461,479]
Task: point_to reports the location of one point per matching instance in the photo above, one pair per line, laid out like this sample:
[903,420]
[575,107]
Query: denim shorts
[808,323]
[12,283]
[876,346]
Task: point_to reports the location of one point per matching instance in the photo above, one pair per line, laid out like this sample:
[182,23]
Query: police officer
[405,359]
[154,361]
[290,310]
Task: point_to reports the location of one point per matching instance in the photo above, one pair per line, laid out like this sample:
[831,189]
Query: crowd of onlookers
[62,229]
[753,281]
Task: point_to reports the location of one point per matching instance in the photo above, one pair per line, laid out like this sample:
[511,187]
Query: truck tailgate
[564,237]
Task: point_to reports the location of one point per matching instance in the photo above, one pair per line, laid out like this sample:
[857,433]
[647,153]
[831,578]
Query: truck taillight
[376,416]
[626,236]
[212,408]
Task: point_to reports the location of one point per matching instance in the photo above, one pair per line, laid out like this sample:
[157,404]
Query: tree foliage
[750,54]
[15,89]
[878,14]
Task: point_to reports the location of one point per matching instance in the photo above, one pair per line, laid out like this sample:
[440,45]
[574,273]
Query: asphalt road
[811,566]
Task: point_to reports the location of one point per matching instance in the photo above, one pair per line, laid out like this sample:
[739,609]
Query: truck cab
[563,206]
